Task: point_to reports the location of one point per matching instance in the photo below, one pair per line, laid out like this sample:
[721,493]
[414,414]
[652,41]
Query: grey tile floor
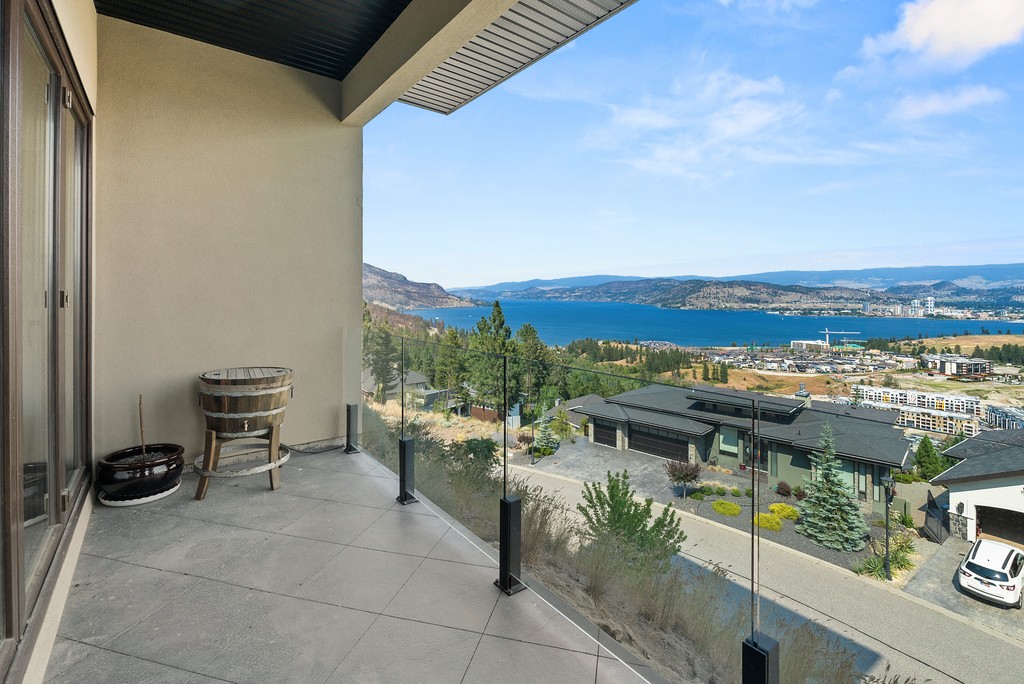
[328,579]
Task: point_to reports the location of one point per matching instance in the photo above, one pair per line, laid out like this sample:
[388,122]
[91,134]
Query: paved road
[919,639]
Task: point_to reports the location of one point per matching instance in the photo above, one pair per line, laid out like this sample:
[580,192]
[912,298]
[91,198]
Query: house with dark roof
[572,406]
[714,426]
[986,486]
[415,384]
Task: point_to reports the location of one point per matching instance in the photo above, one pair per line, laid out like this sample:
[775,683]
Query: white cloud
[951,32]
[914,107]
[648,117]
[725,86]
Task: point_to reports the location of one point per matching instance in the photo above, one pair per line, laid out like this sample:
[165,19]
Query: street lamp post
[887,483]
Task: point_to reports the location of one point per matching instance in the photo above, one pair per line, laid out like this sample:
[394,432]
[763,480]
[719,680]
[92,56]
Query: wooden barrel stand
[242,403]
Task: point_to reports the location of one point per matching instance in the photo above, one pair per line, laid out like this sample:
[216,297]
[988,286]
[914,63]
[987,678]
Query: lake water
[561,322]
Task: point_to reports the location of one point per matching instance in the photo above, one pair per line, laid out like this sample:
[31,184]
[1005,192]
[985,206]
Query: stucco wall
[228,233]
[1007,492]
[78,22]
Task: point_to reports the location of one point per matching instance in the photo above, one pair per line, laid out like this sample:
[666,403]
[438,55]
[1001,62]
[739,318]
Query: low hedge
[768,521]
[727,508]
[784,511]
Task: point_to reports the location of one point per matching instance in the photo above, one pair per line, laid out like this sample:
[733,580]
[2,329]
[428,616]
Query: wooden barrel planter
[138,475]
[244,402]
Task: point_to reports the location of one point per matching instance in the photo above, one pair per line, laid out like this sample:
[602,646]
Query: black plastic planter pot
[129,477]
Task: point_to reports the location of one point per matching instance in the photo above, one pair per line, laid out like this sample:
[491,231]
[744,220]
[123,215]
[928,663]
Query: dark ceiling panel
[326,37]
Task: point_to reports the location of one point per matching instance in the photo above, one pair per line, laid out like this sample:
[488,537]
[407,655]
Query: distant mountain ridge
[990,276]
[395,291]
[747,294]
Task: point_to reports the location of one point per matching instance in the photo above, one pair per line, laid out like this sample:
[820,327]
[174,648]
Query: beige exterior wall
[78,21]
[228,233]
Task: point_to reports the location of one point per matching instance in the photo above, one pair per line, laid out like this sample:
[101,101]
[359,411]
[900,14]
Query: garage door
[999,523]
[659,442]
[604,433]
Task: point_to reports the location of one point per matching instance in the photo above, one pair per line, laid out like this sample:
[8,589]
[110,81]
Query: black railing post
[510,545]
[406,472]
[760,659]
[351,428]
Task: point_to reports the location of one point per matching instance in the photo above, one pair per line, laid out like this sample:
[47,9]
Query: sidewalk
[917,638]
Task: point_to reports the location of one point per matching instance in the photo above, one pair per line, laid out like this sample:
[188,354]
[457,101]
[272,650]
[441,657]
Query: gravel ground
[590,462]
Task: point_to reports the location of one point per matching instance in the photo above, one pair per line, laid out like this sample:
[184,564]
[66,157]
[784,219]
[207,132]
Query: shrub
[707,490]
[905,519]
[726,508]
[735,491]
[749,493]
[768,521]
[721,491]
[903,543]
[783,488]
[872,566]
[613,511]
[697,496]
[905,478]
[799,493]
[784,511]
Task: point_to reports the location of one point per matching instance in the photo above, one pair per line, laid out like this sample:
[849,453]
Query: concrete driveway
[936,582]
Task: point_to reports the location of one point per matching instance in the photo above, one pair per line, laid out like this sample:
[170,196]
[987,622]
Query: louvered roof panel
[528,31]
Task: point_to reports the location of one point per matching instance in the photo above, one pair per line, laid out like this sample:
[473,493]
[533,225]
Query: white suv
[994,571]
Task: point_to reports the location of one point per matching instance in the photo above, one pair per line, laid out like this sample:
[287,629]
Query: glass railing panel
[587,445]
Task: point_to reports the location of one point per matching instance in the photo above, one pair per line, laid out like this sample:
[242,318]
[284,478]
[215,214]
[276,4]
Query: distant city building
[915,307]
[1005,417]
[931,420]
[956,365]
[953,403]
[929,305]
[810,345]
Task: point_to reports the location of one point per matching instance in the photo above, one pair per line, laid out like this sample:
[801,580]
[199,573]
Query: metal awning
[528,31]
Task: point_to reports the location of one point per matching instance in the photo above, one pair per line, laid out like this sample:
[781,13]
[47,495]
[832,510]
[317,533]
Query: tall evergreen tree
[929,461]
[450,367]
[492,338]
[723,373]
[384,359]
[829,516]
[705,373]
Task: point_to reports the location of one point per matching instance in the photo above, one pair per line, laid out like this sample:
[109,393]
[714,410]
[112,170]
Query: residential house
[714,426]
[986,486]
[414,383]
[183,192]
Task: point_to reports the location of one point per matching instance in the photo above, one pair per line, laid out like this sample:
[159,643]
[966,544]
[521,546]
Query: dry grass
[968,343]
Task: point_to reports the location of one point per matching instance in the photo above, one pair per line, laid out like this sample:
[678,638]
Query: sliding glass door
[36,231]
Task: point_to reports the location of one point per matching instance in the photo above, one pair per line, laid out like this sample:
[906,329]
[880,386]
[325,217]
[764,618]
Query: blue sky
[720,137]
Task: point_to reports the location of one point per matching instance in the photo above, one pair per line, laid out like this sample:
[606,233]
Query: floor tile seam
[354,644]
[235,638]
[479,641]
[537,643]
[70,665]
[281,595]
[194,673]
[191,586]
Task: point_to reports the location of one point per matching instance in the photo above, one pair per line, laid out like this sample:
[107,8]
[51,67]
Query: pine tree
[384,361]
[705,373]
[545,439]
[829,516]
[929,461]
[723,373]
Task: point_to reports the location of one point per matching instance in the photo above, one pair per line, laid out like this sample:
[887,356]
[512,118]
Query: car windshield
[987,573]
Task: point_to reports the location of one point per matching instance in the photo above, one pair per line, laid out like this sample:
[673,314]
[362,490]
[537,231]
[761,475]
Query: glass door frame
[24,592]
